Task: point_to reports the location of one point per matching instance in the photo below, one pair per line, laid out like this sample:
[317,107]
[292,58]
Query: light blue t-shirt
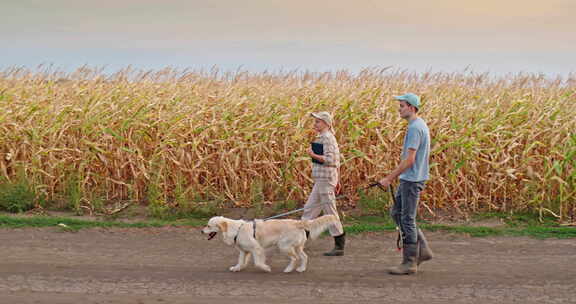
[417,137]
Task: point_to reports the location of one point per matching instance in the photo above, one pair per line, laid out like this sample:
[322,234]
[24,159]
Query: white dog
[253,237]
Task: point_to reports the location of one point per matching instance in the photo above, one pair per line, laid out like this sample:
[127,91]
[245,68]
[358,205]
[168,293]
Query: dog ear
[223,226]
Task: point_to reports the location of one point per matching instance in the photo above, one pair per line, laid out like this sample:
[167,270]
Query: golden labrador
[251,238]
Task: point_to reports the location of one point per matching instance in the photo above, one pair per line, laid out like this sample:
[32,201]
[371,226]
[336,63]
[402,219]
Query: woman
[325,173]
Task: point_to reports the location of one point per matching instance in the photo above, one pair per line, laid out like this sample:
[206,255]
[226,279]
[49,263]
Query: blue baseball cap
[410,98]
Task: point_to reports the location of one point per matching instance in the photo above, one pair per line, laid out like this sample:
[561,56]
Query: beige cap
[324,116]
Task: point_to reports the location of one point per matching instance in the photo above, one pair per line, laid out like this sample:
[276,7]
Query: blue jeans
[404,210]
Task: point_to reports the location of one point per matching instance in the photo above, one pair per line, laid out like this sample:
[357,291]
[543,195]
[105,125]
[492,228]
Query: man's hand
[385,182]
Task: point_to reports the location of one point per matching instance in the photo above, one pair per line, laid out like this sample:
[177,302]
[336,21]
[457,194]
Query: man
[325,156]
[413,172]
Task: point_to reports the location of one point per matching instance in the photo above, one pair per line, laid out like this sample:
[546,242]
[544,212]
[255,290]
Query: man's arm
[403,166]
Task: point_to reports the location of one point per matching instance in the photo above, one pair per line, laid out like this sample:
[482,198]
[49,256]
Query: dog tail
[319,225]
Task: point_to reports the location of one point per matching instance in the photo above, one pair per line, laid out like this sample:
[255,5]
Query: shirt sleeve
[413,139]
[329,151]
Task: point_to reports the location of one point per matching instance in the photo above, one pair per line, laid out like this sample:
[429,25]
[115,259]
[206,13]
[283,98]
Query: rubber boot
[424,251]
[339,243]
[409,261]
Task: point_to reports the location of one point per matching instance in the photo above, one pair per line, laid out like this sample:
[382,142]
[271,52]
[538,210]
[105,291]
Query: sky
[497,36]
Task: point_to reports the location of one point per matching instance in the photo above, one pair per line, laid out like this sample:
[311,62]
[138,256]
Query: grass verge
[7,221]
[352,226]
[511,226]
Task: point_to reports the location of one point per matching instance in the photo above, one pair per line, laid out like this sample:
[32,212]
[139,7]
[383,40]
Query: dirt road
[177,265]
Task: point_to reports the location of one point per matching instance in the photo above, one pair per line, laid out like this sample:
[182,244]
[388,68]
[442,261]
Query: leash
[400,237]
[340,196]
[399,243]
[297,210]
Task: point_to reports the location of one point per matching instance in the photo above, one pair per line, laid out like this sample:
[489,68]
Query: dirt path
[177,265]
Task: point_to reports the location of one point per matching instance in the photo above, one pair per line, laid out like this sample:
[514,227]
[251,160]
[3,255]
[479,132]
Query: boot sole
[420,261]
[401,273]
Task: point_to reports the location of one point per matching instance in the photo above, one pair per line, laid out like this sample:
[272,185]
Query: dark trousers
[404,210]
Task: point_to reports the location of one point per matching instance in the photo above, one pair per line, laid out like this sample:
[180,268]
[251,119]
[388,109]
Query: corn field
[168,136]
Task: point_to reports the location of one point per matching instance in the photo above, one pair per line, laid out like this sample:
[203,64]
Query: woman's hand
[338,189]
[311,152]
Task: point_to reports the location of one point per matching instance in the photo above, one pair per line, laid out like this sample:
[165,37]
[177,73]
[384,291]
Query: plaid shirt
[328,171]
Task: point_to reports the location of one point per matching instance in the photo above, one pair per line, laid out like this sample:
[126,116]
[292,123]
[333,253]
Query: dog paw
[301,269]
[266,268]
[235,268]
[288,269]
